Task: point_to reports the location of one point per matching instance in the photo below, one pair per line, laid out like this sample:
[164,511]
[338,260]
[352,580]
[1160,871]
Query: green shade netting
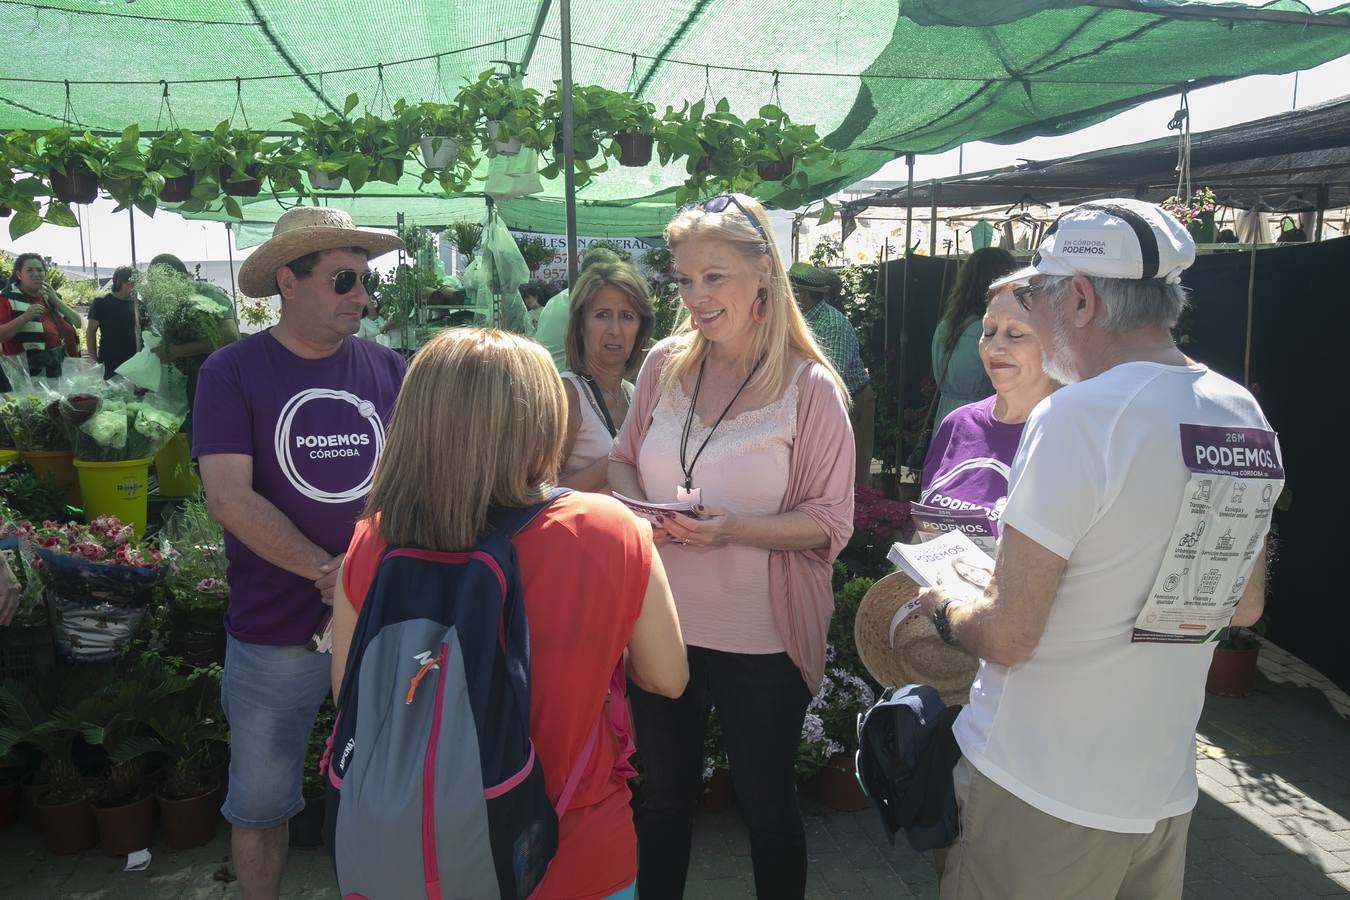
[876,78]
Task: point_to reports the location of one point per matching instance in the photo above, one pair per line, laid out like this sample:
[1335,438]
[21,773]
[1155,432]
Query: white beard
[1058,361]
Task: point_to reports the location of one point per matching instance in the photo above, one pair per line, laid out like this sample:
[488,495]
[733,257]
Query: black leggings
[761,702]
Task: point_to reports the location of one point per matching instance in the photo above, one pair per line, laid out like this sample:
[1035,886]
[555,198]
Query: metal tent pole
[904,317]
[229,251]
[932,224]
[1251,294]
[131,218]
[79,225]
[569,151]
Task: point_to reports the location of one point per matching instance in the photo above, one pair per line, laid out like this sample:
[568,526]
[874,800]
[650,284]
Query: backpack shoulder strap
[506,522]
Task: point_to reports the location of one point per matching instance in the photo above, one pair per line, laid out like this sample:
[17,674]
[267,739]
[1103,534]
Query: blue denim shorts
[271,696]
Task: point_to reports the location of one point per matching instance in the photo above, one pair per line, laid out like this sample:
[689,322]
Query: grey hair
[1129,304]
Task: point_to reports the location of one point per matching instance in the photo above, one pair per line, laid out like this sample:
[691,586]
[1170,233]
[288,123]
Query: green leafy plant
[53,732]
[386,142]
[313,784]
[196,581]
[516,110]
[466,236]
[65,152]
[189,723]
[438,122]
[26,495]
[535,251]
[328,143]
[128,177]
[171,153]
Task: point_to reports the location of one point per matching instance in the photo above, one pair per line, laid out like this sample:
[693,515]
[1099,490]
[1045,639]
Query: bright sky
[106,236]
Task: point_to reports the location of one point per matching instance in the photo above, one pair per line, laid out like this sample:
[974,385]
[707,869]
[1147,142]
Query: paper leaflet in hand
[951,562]
[658,513]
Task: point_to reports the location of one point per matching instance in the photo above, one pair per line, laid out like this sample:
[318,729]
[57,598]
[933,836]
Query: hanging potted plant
[592,130]
[512,116]
[535,251]
[1196,213]
[781,144]
[634,128]
[328,146]
[443,130]
[170,155]
[239,155]
[714,144]
[386,142]
[73,163]
[128,177]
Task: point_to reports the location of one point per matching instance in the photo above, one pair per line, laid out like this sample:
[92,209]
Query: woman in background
[957,371]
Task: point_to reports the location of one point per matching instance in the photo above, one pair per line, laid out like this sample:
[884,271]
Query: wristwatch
[941,623]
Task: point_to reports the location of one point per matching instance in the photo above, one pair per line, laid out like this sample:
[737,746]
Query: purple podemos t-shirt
[969,459]
[314,428]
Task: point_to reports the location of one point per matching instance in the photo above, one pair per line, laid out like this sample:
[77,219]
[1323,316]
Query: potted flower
[329,146]
[171,156]
[100,579]
[189,724]
[829,734]
[718,792]
[1196,213]
[466,236]
[196,583]
[73,163]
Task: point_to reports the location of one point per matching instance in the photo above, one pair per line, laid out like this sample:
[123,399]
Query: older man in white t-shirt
[1135,530]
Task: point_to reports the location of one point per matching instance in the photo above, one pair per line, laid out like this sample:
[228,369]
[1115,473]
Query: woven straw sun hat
[299,232]
[899,645]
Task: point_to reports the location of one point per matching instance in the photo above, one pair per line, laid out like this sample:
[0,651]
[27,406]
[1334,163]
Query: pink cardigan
[820,484]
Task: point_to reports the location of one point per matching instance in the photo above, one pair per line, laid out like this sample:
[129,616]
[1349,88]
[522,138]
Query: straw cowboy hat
[899,645]
[299,232]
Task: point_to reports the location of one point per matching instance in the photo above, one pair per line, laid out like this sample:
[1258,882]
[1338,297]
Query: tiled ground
[1273,822]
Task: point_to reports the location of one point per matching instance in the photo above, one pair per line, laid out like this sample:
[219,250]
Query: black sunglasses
[345,279]
[720,203]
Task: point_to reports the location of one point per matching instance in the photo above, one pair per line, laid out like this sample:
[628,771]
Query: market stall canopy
[1292,162]
[877,78]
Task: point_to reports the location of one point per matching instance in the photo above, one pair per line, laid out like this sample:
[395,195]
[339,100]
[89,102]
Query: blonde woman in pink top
[743,411]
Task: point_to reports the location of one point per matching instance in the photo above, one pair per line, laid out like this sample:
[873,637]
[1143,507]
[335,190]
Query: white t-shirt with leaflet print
[1091,728]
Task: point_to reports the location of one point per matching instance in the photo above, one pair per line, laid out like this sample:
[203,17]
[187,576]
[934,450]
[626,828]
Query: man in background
[112,335]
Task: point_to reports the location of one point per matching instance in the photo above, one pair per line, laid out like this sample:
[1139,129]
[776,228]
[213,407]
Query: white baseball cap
[1116,238]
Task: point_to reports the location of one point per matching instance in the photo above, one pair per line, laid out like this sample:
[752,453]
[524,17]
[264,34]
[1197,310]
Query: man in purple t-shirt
[290,422]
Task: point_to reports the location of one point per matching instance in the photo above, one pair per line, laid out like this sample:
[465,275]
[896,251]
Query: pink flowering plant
[831,723]
[878,522]
[1189,212]
[197,582]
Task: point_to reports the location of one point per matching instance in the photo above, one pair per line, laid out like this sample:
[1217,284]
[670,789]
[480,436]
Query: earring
[760,311]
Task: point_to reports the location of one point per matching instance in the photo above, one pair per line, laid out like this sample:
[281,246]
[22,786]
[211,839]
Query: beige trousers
[1009,850]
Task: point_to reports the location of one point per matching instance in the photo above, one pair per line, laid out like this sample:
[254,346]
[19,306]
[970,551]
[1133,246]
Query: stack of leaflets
[658,513]
[951,562]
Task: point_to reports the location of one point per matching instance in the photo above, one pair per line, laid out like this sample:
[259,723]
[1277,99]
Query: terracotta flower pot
[307,825]
[75,185]
[718,793]
[1232,672]
[177,190]
[29,793]
[188,822]
[839,788]
[58,467]
[67,827]
[251,186]
[122,829]
[776,170]
[635,150]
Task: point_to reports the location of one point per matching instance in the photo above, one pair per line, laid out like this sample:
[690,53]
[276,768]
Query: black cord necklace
[688,468]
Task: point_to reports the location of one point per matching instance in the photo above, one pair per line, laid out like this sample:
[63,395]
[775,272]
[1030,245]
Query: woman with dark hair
[957,369]
[32,321]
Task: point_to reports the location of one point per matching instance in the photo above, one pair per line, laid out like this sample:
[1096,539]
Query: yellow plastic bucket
[174,469]
[8,456]
[115,489]
[55,466]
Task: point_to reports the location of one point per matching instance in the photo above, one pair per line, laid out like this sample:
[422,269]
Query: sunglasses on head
[720,203]
[1020,294]
[345,279]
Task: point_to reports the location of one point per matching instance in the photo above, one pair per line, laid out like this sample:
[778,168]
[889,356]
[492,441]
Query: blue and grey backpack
[434,789]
